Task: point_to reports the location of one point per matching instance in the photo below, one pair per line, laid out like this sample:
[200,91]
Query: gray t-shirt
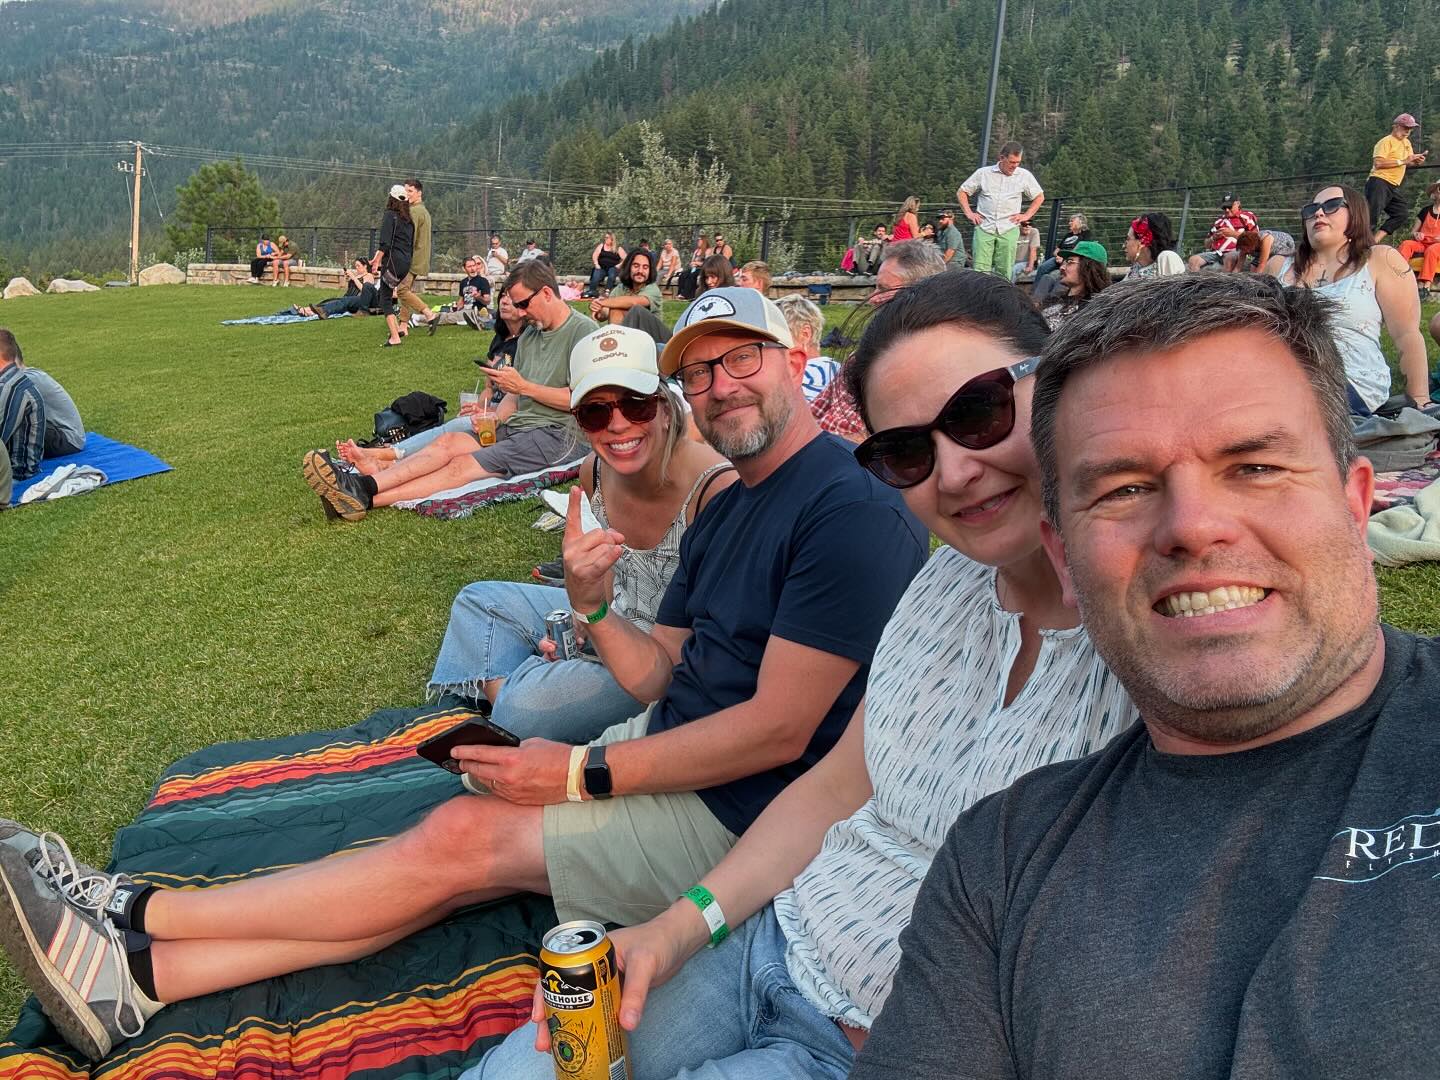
[950,239]
[64,430]
[1131,915]
[543,356]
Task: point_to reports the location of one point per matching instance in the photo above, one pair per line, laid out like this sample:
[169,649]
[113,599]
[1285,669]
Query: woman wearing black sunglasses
[1371,286]
[644,479]
[981,674]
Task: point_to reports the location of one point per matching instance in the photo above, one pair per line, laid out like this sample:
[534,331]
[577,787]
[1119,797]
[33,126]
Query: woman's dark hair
[625,278]
[966,298]
[400,206]
[1162,233]
[1358,239]
[502,329]
[721,268]
[1093,278]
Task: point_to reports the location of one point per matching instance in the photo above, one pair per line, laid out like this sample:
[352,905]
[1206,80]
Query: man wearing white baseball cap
[1389,210]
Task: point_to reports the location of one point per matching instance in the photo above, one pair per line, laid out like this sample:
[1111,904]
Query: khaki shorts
[625,860]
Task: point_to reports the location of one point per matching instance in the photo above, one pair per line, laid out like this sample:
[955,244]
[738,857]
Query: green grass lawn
[216,602]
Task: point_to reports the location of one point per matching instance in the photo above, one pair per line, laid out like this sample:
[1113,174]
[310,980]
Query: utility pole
[138,168]
[994,79]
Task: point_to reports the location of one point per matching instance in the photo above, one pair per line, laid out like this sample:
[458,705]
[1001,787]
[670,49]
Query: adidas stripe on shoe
[76,965]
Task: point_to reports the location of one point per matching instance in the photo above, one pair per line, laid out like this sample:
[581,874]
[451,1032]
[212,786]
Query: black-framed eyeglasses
[595,416]
[739,363]
[978,415]
[521,304]
[1330,205]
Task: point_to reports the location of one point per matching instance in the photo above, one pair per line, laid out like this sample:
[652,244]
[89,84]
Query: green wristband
[709,907]
[596,615]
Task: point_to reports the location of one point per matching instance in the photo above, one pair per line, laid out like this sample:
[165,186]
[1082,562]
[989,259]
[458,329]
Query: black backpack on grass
[417,411]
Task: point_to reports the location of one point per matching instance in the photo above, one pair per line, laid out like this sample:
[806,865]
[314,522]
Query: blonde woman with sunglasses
[644,479]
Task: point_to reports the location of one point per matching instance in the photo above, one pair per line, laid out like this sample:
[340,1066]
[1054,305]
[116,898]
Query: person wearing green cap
[1084,271]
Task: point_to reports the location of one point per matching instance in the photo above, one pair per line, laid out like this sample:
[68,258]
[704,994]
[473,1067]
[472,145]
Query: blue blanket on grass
[117,460]
[278,320]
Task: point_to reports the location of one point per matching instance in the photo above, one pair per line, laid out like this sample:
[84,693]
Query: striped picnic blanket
[426,1007]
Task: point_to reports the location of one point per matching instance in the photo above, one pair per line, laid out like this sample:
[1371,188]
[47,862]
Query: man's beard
[775,413]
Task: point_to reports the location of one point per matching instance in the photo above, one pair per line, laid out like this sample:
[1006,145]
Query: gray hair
[801,312]
[915,259]
[1164,313]
[1011,147]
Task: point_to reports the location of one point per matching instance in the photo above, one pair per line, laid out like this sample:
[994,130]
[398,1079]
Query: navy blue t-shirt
[818,553]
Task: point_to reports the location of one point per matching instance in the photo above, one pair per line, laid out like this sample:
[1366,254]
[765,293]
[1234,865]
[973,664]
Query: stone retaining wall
[842,286]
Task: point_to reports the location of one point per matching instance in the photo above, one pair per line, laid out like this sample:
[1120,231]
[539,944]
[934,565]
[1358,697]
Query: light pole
[994,79]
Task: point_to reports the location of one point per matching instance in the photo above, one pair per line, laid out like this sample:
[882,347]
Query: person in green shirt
[636,301]
[533,427]
[408,299]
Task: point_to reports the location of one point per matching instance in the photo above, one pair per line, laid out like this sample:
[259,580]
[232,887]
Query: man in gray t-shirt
[1244,885]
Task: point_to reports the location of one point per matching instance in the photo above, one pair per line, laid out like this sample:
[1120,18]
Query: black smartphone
[476,731]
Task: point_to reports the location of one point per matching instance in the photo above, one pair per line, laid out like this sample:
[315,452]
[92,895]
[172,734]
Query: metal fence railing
[817,242]
[809,243]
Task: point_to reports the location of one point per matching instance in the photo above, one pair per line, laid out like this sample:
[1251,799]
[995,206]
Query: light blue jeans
[425,438]
[731,1013]
[494,632]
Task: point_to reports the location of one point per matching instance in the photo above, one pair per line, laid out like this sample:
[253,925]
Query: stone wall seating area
[842,286]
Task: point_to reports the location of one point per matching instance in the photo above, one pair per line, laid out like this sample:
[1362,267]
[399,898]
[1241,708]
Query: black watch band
[597,774]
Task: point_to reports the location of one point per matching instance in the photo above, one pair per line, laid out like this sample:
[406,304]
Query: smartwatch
[597,773]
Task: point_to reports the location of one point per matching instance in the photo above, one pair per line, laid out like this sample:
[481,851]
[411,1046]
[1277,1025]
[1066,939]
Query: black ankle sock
[368,485]
[136,914]
[142,970]
[126,908]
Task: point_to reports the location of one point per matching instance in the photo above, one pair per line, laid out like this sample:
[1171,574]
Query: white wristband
[572,778]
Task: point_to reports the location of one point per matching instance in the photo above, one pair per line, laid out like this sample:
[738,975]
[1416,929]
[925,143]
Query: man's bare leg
[190,969]
[461,470]
[428,459]
[472,846]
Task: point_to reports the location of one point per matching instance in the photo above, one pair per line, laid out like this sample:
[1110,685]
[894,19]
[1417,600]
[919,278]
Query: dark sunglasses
[978,415]
[1330,205]
[595,415]
[522,304]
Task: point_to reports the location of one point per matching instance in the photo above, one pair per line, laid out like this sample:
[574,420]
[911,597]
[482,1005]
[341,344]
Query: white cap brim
[642,382]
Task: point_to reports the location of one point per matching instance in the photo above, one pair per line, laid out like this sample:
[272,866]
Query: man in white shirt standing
[497,259]
[997,214]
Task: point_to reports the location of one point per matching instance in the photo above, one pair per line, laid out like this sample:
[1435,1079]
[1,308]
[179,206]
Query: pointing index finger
[573,529]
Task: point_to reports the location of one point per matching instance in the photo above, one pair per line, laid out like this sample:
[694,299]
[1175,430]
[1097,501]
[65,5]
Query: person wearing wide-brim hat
[1392,155]
[1084,271]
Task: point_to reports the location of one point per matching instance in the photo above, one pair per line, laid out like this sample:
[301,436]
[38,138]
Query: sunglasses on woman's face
[595,416]
[1310,209]
[978,415]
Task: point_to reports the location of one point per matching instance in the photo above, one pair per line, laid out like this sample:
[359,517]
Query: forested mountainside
[858,100]
[343,79]
[862,99]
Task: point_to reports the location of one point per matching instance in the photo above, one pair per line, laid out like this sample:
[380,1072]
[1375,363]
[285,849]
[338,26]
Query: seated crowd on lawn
[948,827]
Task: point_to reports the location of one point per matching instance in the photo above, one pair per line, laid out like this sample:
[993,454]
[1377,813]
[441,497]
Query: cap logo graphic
[608,344]
[711,307]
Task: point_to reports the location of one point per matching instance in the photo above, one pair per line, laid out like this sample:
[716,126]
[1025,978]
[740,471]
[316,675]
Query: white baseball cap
[718,310]
[613,356]
[397,191]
